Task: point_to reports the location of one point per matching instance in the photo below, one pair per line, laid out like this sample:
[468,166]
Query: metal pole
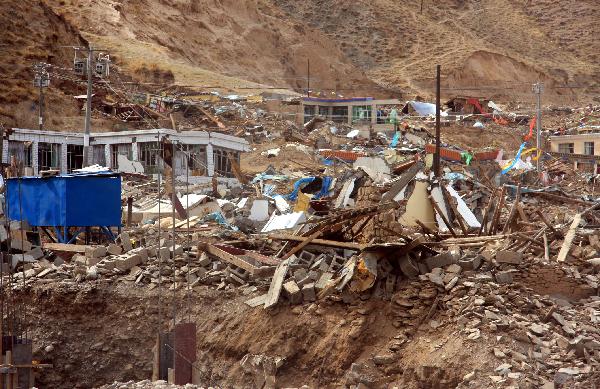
[436,156]
[88,109]
[308,78]
[41,103]
[538,88]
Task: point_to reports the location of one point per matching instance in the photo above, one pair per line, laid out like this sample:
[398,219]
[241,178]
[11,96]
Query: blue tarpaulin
[75,200]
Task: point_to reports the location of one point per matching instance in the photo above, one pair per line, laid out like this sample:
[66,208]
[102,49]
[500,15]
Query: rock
[95,252]
[508,256]
[114,249]
[384,359]
[537,329]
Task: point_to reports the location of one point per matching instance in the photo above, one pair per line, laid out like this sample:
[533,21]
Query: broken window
[21,151]
[74,157]
[196,159]
[340,114]
[309,112]
[566,148]
[120,149]
[588,148]
[148,156]
[222,162]
[98,155]
[323,111]
[361,114]
[48,156]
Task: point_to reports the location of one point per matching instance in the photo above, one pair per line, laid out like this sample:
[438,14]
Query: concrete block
[125,241]
[440,260]
[470,262]
[300,274]
[20,245]
[504,277]
[142,252]
[308,292]
[177,250]
[337,263]
[323,280]
[79,259]
[203,259]
[408,267]
[164,253]
[127,262]
[95,252]
[306,258]
[508,256]
[114,249]
[292,291]
[36,253]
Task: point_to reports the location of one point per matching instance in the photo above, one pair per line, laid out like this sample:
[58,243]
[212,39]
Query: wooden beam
[498,211]
[213,118]
[450,200]
[319,242]
[439,211]
[513,210]
[568,242]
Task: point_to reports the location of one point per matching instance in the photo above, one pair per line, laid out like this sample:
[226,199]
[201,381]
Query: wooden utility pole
[538,88]
[436,156]
[308,78]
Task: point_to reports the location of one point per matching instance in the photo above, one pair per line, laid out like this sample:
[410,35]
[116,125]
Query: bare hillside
[501,43]
[227,43]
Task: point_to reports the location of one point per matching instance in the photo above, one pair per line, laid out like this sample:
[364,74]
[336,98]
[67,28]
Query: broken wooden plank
[486,215]
[213,118]
[513,210]
[276,284]
[439,212]
[457,215]
[232,259]
[236,170]
[498,212]
[318,242]
[67,248]
[402,182]
[566,247]
[543,219]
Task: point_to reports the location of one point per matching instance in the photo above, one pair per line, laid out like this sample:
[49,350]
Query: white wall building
[205,153]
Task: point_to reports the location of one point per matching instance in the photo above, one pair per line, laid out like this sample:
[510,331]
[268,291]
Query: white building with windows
[198,154]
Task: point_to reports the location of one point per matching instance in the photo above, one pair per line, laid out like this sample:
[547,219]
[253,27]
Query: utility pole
[41,80]
[436,156]
[538,89]
[88,109]
[89,67]
[308,77]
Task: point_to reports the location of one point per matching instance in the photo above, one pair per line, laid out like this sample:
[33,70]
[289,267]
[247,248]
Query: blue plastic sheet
[298,185]
[517,157]
[324,192]
[395,139]
[219,218]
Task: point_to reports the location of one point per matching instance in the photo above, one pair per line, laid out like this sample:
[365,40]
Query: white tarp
[425,109]
[284,222]
[259,211]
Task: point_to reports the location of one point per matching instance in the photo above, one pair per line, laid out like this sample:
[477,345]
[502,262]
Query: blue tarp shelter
[79,200]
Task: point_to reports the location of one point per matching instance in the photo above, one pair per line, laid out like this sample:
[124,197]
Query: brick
[508,256]
[306,258]
[292,291]
[308,292]
[95,252]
